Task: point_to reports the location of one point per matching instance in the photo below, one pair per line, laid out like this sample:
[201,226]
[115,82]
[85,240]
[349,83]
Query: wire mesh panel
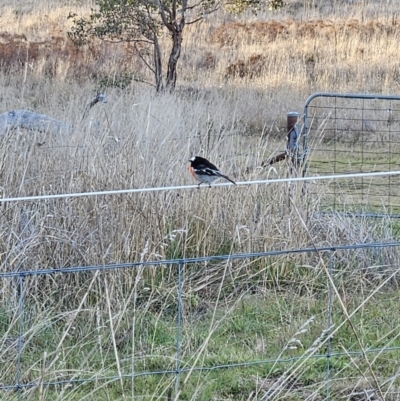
[350,133]
[185,328]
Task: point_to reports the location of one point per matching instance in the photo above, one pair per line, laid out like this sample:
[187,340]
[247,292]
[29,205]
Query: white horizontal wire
[182,187]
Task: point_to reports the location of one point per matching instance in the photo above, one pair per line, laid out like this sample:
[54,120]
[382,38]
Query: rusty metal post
[292,142]
[293,136]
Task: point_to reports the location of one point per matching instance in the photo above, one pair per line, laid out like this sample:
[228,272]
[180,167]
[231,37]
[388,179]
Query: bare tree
[141,22]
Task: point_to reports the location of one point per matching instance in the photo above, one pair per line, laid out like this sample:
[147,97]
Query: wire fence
[330,177]
[23,379]
[350,133]
[159,328]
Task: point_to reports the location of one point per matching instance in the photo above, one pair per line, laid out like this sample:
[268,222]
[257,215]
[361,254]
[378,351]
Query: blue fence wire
[20,384]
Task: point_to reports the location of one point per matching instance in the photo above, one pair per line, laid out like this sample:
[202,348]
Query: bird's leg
[198,186]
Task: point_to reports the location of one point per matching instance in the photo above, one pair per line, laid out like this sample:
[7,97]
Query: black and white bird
[205,172]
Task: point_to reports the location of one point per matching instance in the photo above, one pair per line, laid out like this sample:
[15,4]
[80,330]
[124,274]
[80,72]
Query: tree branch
[149,42]
[192,7]
[202,17]
[174,11]
[162,7]
[144,60]
[194,21]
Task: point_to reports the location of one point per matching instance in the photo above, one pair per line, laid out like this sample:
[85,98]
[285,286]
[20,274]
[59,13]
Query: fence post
[292,142]
[178,331]
[20,333]
[329,327]
[293,136]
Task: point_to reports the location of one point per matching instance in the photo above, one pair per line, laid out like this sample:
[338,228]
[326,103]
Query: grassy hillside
[238,77]
[308,46]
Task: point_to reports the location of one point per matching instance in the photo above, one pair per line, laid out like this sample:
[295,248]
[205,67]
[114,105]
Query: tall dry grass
[237,80]
[145,140]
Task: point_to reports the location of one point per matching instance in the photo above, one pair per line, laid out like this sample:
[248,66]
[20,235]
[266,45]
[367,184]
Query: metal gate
[353,133]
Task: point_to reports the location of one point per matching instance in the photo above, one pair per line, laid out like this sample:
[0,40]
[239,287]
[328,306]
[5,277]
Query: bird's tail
[227,178]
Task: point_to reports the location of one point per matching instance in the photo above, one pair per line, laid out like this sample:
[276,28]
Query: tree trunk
[174,56]
[157,65]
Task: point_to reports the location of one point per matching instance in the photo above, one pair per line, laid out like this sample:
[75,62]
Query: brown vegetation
[59,57]
[307,45]
[251,68]
[236,33]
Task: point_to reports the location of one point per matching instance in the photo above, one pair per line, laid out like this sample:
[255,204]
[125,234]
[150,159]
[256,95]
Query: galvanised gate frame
[353,133]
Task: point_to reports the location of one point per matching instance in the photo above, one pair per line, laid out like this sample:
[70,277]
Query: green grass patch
[263,336]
